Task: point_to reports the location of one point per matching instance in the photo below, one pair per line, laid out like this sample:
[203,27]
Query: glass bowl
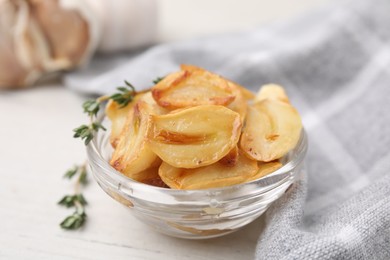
[193,214]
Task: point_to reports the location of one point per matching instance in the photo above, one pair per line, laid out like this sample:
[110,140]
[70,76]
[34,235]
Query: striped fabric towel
[335,65]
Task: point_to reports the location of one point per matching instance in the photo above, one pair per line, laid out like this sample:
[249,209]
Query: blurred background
[41,38]
[185,19]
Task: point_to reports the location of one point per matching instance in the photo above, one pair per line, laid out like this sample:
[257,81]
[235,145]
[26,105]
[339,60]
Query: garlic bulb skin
[18,65]
[10,69]
[40,37]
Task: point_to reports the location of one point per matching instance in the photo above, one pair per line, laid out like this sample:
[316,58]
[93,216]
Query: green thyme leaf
[125,95]
[68,201]
[96,126]
[91,107]
[80,198]
[122,89]
[157,80]
[71,172]
[74,221]
[77,200]
[79,131]
[85,133]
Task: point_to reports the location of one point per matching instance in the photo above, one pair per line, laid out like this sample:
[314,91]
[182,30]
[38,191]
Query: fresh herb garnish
[86,133]
[71,200]
[77,200]
[92,107]
[74,221]
[157,80]
[125,95]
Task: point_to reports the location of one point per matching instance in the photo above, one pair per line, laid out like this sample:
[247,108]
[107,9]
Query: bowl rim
[96,157]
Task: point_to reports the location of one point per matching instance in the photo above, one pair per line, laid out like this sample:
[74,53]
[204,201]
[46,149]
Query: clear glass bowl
[194,214]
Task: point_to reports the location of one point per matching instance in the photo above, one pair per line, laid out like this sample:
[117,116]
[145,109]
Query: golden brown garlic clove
[213,176]
[132,154]
[271,130]
[195,136]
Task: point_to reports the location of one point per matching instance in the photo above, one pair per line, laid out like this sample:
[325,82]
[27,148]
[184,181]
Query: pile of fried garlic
[197,130]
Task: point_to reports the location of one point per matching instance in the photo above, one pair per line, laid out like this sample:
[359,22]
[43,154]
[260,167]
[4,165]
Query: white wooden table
[36,147]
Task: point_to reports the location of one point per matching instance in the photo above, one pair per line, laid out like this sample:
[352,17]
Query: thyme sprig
[125,95]
[86,133]
[76,200]
[91,107]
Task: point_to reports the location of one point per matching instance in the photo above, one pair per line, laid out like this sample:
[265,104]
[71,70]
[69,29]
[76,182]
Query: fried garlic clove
[246,93]
[154,108]
[265,168]
[195,136]
[273,92]
[118,116]
[188,88]
[231,158]
[132,154]
[213,176]
[242,95]
[239,105]
[150,176]
[191,68]
[271,130]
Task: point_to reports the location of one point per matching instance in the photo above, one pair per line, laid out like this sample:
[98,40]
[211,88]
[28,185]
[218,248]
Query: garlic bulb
[39,37]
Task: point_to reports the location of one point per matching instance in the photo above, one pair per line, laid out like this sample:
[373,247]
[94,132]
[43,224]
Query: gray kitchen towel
[335,65]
